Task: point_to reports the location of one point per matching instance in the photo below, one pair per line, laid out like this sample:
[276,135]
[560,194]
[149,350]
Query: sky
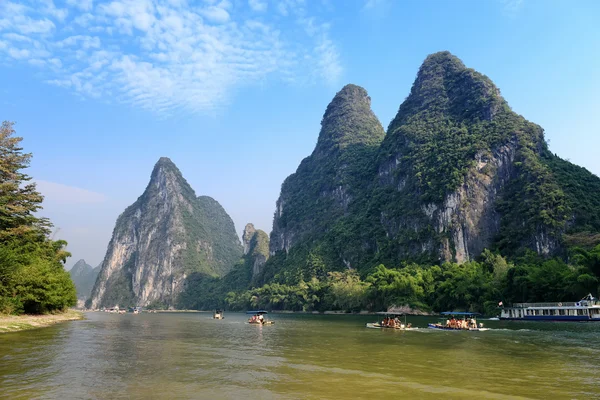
[233,91]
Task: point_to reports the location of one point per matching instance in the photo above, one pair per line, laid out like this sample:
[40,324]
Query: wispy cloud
[258,5]
[167,55]
[371,4]
[512,7]
[58,193]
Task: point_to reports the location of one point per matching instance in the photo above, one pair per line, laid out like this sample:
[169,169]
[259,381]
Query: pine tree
[32,274]
[19,198]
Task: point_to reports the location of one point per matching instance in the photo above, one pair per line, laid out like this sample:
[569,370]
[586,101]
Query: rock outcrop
[256,248]
[166,235]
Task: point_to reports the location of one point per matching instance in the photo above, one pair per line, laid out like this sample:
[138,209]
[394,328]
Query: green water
[172,356]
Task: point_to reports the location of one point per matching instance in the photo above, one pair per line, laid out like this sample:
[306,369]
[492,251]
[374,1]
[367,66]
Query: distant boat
[586,309]
[258,318]
[218,314]
[465,322]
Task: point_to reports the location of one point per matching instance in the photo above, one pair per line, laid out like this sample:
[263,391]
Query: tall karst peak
[247,236]
[162,238]
[256,248]
[349,120]
[444,86]
[80,267]
[166,175]
[84,277]
[328,181]
[456,149]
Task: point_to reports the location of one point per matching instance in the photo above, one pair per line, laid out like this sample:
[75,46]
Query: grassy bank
[14,323]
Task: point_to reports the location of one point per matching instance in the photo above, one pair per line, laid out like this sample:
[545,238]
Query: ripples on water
[190,355]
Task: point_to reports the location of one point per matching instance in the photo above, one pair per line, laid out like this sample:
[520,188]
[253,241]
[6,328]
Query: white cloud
[50,9]
[216,14]
[329,61]
[166,56]
[18,53]
[85,42]
[258,5]
[370,4]
[83,5]
[325,57]
[58,193]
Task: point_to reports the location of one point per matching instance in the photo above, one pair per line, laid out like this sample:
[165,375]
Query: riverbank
[14,323]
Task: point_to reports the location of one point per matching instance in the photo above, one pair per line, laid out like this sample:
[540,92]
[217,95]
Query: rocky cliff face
[256,248]
[84,277]
[449,153]
[167,234]
[457,172]
[326,182]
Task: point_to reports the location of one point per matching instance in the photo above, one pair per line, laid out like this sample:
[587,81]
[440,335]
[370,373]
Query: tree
[18,198]
[32,274]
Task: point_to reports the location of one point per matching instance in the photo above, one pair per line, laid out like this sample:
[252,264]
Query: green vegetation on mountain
[162,242]
[581,189]
[472,286]
[204,291]
[32,276]
[457,173]
[319,193]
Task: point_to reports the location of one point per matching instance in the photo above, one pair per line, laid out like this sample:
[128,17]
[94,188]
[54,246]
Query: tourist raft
[459,321]
[392,321]
[586,309]
[258,318]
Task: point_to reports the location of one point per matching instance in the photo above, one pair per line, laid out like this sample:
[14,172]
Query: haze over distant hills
[84,277]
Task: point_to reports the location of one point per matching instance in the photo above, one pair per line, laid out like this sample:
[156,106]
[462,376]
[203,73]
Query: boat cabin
[586,309]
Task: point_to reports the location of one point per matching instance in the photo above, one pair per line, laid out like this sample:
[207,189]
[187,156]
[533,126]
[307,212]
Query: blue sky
[233,91]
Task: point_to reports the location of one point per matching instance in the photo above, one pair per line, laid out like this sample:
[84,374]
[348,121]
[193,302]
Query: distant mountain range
[456,172]
[84,277]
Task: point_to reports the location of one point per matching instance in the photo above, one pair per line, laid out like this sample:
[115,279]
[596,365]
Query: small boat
[391,321]
[586,309]
[465,322]
[258,318]
[218,314]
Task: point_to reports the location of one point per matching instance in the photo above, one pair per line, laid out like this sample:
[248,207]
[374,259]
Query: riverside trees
[32,277]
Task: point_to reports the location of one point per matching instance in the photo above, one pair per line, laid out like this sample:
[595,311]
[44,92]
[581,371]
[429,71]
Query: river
[190,355]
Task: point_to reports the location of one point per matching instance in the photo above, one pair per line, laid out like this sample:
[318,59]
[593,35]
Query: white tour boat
[586,309]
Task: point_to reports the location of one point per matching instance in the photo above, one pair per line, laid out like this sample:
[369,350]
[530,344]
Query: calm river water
[190,355]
